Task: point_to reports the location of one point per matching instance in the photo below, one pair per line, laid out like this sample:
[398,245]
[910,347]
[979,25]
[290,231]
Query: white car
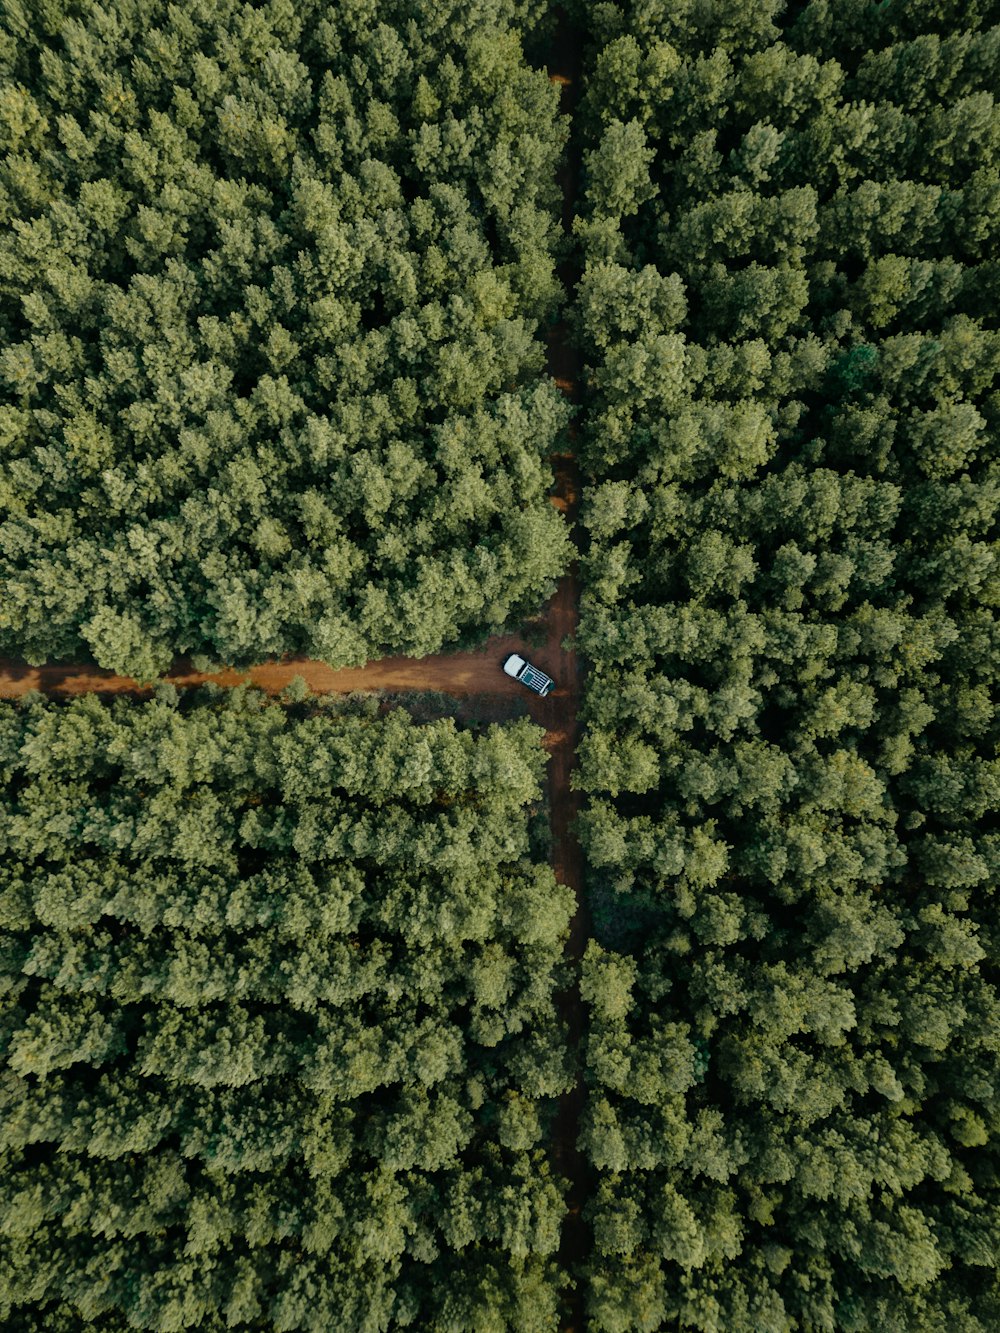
[528,675]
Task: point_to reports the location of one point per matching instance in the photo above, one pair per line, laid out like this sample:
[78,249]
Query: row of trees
[790,227]
[280,1028]
[271,280]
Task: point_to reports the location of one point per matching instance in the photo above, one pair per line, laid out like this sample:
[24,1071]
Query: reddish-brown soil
[460,674]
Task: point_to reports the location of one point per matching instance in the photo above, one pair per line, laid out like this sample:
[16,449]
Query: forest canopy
[287,1016]
[279,1020]
[272,278]
[790,226]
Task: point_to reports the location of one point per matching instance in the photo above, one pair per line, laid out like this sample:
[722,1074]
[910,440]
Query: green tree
[281,1020]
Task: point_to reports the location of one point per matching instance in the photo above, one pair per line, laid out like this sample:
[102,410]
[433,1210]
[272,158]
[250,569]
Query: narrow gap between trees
[565,65]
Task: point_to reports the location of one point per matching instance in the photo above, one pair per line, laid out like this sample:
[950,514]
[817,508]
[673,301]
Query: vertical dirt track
[559,714]
[563,734]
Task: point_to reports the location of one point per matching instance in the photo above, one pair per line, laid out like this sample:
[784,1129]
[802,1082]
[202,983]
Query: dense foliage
[279,1026]
[271,278]
[791,225]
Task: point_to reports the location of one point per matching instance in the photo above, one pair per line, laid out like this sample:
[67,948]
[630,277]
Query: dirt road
[565,68]
[459,674]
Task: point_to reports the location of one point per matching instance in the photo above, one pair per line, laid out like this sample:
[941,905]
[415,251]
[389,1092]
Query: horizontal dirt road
[459,674]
